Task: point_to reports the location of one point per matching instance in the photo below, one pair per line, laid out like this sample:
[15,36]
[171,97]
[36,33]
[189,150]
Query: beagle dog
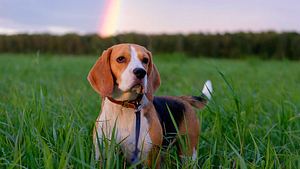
[126,78]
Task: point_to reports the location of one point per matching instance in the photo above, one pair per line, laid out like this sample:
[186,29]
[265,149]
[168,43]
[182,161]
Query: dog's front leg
[156,135]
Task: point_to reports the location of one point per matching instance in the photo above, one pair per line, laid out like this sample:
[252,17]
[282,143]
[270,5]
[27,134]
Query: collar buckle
[126,104]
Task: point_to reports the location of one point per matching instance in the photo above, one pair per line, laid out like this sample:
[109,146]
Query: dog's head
[125,68]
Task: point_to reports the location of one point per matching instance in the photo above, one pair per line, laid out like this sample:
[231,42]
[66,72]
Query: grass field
[48,109]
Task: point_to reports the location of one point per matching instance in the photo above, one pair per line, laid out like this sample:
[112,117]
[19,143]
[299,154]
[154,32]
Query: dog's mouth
[137,88]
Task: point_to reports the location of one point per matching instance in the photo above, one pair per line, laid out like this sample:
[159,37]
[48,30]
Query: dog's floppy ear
[100,76]
[153,78]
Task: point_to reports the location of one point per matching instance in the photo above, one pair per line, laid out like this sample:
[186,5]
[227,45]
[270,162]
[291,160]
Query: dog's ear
[153,78]
[100,76]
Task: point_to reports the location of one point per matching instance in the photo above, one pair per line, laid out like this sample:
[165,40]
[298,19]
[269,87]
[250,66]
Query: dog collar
[134,104]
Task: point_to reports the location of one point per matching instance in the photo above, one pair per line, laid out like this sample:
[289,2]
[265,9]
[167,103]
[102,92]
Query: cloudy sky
[155,16]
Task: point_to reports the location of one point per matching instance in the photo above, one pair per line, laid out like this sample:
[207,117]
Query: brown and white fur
[115,75]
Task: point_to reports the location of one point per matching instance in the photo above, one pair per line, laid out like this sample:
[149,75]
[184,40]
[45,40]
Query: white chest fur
[124,121]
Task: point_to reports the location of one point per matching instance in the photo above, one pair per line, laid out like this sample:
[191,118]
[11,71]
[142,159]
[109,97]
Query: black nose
[139,73]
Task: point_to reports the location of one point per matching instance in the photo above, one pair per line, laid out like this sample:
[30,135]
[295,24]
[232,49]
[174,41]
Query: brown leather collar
[134,104]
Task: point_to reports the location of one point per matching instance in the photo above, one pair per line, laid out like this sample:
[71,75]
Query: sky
[110,17]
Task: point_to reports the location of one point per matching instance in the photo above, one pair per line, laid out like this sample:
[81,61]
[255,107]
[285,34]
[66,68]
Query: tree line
[265,45]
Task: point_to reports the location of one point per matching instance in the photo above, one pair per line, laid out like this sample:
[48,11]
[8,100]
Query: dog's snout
[139,73]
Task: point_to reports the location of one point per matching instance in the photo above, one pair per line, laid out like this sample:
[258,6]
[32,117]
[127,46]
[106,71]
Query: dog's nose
[139,73]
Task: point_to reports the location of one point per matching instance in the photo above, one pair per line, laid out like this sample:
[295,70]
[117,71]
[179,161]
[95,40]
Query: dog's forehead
[127,49]
[120,49]
[138,48]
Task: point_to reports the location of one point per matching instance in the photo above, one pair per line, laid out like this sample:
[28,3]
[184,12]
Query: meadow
[48,110]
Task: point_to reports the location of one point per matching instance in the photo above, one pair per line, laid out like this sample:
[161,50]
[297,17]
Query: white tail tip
[207,89]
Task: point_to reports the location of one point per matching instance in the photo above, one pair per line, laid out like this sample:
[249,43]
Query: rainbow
[109,18]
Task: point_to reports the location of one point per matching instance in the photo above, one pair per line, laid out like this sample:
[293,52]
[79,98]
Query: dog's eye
[145,60]
[121,59]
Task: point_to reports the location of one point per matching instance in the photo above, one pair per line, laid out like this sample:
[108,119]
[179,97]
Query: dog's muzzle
[139,73]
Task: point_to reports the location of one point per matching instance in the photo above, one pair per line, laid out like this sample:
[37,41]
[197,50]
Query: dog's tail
[202,100]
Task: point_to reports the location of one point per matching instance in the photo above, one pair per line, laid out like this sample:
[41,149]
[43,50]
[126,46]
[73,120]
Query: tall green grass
[48,109]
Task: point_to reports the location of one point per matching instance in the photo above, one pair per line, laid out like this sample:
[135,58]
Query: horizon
[147,34]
